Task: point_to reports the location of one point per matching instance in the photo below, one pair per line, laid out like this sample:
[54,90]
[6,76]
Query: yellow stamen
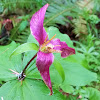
[45,43]
[50,39]
[46,38]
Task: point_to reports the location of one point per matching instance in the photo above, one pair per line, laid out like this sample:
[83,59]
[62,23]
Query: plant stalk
[29,63]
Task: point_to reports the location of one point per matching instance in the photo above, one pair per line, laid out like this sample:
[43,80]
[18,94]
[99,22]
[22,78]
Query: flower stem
[29,63]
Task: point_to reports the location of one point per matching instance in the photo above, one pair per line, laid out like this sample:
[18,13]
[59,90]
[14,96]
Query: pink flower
[45,55]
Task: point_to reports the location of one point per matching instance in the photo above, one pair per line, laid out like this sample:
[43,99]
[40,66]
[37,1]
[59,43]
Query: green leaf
[32,39]
[71,97]
[29,90]
[75,74]
[67,88]
[60,69]
[81,59]
[23,25]
[6,64]
[24,48]
[93,94]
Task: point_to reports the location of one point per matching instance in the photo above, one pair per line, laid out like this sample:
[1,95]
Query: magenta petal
[43,62]
[66,51]
[36,25]
[56,44]
[63,47]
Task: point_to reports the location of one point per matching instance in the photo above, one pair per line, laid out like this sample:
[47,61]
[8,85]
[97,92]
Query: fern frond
[80,26]
[12,5]
[20,32]
[58,11]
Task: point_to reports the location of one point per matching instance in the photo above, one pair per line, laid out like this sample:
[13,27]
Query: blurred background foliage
[80,19]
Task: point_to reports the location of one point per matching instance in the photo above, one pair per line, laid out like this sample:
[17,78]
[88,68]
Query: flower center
[47,47]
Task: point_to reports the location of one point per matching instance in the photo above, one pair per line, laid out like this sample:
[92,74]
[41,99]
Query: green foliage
[13,90]
[93,19]
[20,32]
[34,86]
[86,19]
[58,10]
[6,64]
[76,67]
[80,26]
[72,71]
[24,48]
[90,51]
[75,74]
[92,94]
[1,7]
[97,5]
[23,25]
[82,61]
[11,5]
[60,69]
